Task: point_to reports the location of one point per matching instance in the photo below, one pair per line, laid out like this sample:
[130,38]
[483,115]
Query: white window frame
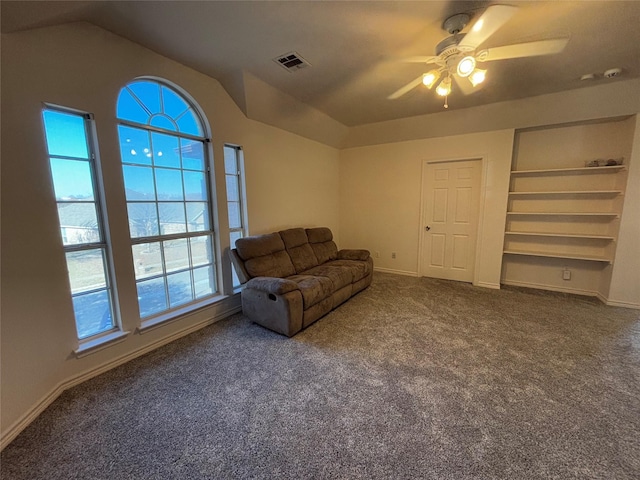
[90,342]
[238,178]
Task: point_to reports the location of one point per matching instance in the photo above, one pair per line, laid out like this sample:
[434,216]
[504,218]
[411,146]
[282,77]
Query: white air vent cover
[291,61]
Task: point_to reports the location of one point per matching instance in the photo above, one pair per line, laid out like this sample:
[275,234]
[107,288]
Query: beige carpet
[412,378]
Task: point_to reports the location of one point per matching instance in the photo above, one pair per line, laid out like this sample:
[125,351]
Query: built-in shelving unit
[561,214]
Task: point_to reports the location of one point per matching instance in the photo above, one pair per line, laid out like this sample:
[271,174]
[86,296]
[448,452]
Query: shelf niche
[561,214]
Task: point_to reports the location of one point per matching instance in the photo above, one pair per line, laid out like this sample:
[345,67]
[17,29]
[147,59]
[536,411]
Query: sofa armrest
[277,286]
[353,255]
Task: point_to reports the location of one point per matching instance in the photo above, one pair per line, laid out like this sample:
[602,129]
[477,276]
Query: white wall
[380,195]
[291,181]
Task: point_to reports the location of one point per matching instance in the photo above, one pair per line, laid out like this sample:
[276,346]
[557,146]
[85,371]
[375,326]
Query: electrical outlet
[393,254]
[566,274]
[376,254]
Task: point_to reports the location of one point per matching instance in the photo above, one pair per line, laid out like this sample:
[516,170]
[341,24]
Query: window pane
[138,183]
[166,151]
[195,185]
[130,109]
[179,288]
[148,93]
[143,219]
[233,237]
[201,252]
[147,260]
[232,188]
[86,270]
[72,179]
[78,223]
[162,121]
[172,218]
[197,217]
[189,123]
[192,154]
[176,255]
[235,221]
[230,163]
[152,297]
[173,104]
[134,145]
[93,313]
[169,184]
[66,134]
[204,281]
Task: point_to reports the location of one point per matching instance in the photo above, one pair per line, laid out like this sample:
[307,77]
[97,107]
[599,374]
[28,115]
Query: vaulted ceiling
[355,48]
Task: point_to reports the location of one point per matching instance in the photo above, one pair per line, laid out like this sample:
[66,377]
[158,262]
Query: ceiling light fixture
[444,89]
[477,77]
[429,79]
[466,66]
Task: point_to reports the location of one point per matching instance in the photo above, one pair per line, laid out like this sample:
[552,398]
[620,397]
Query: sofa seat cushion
[298,248]
[313,289]
[340,276]
[358,268]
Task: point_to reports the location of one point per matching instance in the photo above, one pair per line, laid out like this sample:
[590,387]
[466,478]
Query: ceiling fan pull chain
[446,101]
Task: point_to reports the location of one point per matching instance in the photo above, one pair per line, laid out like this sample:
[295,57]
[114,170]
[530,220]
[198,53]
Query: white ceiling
[354,47]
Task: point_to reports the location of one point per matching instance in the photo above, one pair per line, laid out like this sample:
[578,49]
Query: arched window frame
[163,123]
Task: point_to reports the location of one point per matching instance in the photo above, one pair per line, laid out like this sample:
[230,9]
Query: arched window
[166,178]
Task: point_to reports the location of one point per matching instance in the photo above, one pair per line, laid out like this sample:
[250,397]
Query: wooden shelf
[570,171]
[569,192]
[567,256]
[567,214]
[562,235]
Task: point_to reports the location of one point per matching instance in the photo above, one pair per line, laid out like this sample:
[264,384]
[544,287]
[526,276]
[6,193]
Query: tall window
[72,160]
[235,197]
[165,167]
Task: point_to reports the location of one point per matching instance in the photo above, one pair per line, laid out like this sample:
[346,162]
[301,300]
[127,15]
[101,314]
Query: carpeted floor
[412,378]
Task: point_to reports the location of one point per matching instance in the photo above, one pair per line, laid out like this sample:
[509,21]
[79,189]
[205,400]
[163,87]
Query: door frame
[483,177]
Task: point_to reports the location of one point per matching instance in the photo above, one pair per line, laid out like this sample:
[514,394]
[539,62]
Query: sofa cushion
[298,248]
[358,268]
[313,289]
[340,276]
[265,256]
[321,241]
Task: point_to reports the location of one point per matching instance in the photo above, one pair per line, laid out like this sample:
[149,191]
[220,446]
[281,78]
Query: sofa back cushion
[322,244]
[265,256]
[297,245]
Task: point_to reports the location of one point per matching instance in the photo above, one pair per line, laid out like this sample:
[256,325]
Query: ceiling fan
[457,57]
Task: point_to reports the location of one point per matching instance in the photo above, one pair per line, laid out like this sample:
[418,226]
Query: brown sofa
[293,277]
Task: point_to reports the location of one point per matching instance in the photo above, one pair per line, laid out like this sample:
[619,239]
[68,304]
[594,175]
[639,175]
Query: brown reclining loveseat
[293,277]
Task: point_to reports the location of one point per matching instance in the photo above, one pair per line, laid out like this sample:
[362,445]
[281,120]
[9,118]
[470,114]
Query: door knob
[427,228]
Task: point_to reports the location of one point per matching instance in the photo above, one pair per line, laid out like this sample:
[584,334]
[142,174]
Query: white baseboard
[495,286]
[396,272]
[541,286]
[617,303]
[23,422]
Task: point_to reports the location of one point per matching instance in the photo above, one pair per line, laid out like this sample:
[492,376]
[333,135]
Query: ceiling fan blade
[420,59]
[530,49]
[406,89]
[464,85]
[489,22]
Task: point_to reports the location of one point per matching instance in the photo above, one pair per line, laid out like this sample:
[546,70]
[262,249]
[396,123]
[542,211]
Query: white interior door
[451,193]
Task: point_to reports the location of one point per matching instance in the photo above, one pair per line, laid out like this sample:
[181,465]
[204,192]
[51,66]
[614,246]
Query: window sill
[95,345]
[180,313]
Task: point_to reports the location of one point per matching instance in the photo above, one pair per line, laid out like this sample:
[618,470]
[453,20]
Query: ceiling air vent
[291,61]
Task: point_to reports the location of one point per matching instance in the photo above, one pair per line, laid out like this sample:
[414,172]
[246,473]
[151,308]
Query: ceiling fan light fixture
[444,88]
[430,78]
[466,66]
[477,77]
